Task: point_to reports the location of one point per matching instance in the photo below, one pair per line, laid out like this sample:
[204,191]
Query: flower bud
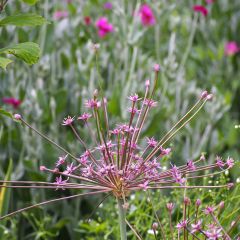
[170,206]
[147,83]
[198,202]
[42,168]
[187,201]
[204,94]
[17,116]
[221,205]
[154,226]
[156,67]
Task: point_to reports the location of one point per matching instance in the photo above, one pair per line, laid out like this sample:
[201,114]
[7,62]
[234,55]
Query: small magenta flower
[68,121]
[196,227]
[219,162]
[85,116]
[58,15]
[151,142]
[231,48]
[12,101]
[147,16]
[104,27]
[182,224]
[107,5]
[61,160]
[209,210]
[92,103]
[191,165]
[230,162]
[213,233]
[201,9]
[87,20]
[60,182]
[134,98]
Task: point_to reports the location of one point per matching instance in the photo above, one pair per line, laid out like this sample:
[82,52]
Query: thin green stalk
[122,222]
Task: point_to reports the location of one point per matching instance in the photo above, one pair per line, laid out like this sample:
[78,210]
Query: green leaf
[29,52]
[25,19]
[5,113]
[4,62]
[30,2]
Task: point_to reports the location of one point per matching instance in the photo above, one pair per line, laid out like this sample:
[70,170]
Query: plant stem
[122,222]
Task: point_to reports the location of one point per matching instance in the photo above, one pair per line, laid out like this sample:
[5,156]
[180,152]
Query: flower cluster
[198,225]
[119,163]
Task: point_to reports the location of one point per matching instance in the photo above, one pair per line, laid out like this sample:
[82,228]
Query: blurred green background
[191,49]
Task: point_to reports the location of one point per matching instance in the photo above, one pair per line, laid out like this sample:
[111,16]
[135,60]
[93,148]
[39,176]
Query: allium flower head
[199,8]
[116,163]
[147,15]
[104,27]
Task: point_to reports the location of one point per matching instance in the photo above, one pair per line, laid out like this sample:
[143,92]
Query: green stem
[122,222]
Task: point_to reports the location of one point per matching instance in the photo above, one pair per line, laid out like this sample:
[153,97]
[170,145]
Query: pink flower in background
[104,27]
[87,20]
[12,101]
[231,48]
[201,9]
[209,1]
[108,5]
[60,15]
[147,16]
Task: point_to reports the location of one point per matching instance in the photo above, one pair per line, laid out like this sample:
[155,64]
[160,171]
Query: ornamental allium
[147,15]
[119,161]
[231,48]
[201,9]
[104,27]
[12,101]
[58,15]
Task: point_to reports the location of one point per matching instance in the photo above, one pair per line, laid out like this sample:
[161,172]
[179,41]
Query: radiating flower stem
[122,222]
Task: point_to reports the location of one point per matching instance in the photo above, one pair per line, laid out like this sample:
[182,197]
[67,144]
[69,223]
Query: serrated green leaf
[5,113]
[25,19]
[30,2]
[4,62]
[29,52]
